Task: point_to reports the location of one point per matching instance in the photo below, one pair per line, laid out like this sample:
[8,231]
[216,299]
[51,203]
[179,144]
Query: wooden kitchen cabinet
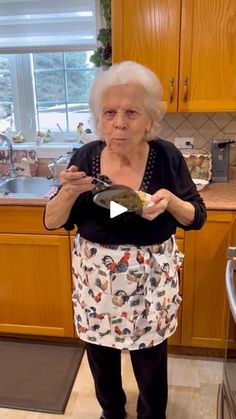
[190,45]
[208,55]
[205,306]
[147,31]
[35,275]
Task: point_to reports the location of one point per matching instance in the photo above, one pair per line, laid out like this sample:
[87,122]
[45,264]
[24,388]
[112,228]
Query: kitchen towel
[36,375]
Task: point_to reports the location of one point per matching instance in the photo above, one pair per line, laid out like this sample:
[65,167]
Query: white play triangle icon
[116,209]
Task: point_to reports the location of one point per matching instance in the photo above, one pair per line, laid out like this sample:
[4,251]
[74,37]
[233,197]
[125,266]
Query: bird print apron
[125,296]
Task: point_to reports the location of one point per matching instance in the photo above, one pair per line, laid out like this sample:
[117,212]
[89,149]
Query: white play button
[116,209]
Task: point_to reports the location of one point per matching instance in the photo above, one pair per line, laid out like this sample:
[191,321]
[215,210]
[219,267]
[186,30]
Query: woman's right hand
[75,182]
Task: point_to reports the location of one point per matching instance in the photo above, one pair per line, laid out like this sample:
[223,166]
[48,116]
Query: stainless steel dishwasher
[226,408]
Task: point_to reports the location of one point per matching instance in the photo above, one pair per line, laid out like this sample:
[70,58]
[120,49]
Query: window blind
[47,25]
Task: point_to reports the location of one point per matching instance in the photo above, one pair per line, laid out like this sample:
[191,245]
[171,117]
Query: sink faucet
[5,141]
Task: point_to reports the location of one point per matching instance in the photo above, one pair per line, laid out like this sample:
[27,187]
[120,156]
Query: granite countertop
[220,196]
[217,196]
[35,202]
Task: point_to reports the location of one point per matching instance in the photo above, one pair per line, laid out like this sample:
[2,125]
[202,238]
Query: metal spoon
[101,181]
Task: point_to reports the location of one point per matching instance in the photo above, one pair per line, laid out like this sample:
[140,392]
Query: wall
[203,127]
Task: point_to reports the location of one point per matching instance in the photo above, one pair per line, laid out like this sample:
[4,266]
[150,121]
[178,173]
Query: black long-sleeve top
[166,168]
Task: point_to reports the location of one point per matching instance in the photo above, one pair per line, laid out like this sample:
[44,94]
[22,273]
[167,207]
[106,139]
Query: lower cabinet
[205,305]
[35,285]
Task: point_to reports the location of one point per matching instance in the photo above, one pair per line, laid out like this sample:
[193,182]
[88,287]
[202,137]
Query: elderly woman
[125,269]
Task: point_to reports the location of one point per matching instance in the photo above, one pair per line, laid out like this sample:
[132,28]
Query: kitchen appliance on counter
[220,160]
[226,408]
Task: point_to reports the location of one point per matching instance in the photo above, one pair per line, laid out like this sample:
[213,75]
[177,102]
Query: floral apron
[125,296]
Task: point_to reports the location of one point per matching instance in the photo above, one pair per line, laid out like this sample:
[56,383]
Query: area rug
[37,376]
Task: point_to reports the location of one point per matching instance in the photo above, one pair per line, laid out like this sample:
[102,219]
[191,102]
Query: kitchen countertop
[217,196]
[220,196]
[35,202]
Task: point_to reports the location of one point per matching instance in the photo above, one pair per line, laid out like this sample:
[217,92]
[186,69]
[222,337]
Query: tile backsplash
[203,127]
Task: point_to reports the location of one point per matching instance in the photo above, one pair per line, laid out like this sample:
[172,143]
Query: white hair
[127,72]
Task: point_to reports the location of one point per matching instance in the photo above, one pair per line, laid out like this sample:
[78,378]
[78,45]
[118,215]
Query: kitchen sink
[25,187]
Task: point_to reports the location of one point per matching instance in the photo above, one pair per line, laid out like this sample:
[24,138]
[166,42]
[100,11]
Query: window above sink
[45,79]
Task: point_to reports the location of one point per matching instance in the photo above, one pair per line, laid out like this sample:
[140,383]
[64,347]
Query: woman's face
[124,119]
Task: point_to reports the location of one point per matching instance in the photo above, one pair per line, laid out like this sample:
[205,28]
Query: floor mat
[37,376]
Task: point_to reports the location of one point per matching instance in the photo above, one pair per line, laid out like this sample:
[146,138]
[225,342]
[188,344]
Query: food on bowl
[133,201]
[145,198]
[129,200]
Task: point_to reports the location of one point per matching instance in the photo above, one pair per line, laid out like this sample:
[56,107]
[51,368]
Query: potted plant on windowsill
[102,56]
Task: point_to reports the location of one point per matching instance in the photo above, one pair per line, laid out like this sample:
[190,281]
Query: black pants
[150,370]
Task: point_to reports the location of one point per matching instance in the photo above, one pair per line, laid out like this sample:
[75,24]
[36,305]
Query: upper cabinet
[208,55]
[190,45]
[147,31]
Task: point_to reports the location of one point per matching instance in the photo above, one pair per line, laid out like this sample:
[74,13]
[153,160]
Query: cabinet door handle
[185,97]
[171,95]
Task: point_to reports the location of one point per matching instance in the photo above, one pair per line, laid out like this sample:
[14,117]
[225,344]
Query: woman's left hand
[160,200]
[164,200]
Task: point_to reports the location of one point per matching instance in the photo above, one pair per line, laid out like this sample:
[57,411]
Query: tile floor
[193,386]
